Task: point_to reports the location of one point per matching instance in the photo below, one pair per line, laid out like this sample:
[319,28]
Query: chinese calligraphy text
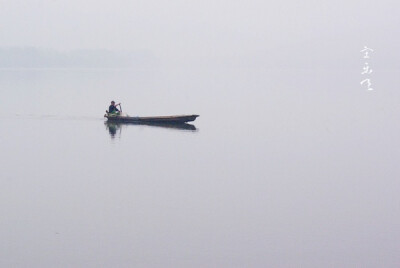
[366,69]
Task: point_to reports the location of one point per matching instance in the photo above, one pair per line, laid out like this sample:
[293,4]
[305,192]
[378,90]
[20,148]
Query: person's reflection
[112,129]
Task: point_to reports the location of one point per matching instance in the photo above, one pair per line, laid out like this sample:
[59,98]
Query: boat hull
[177,119]
[183,126]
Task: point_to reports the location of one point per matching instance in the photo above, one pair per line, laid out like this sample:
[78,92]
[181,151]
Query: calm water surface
[284,169]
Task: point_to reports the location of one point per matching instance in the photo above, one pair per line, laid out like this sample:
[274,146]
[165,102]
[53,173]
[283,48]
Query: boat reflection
[114,127]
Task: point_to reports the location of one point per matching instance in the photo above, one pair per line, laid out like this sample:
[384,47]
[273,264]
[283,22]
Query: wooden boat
[175,119]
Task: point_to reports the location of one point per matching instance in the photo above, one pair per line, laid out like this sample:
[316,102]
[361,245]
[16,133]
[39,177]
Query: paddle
[120,106]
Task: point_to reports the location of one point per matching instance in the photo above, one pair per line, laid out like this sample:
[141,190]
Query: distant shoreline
[34,58]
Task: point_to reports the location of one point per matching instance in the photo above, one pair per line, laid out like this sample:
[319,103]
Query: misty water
[289,168]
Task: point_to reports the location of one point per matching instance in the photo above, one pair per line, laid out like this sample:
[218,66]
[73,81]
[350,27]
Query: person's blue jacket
[112,109]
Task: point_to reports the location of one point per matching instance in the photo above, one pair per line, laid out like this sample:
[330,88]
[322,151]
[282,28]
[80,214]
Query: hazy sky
[288,168]
[180,29]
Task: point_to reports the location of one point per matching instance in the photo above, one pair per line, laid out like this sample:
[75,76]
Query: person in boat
[113,108]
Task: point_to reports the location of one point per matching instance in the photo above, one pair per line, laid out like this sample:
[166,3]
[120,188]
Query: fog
[292,162]
[288,34]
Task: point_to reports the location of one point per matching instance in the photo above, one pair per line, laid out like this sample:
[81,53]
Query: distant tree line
[32,57]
